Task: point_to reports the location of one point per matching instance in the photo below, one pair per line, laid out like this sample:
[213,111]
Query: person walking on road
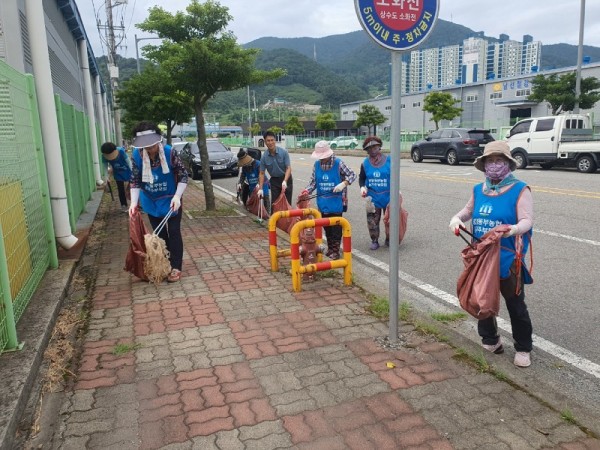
[118,165]
[375,182]
[330,178]
[276,161]
[503,199]
[158,180]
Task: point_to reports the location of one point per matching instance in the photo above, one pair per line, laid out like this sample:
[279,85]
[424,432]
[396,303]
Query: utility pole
[255,110]
[113,70]
[579,57]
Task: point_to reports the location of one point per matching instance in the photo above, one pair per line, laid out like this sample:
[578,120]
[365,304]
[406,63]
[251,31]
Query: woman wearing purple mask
[502,199]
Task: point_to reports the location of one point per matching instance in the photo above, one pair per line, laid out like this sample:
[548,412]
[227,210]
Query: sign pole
[395,143]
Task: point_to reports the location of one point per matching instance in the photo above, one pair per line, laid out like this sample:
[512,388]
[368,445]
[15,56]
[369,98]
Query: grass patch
[327,274]
[449,317]
[567,416]
[404,312]
[121,349]
[379,307]
[430,330]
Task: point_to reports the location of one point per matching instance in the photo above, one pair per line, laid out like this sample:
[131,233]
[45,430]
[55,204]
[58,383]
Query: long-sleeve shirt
[177,166]
[524,210]
[346,173]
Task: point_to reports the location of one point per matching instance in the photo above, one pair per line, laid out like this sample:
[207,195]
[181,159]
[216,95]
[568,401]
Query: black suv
[451,145]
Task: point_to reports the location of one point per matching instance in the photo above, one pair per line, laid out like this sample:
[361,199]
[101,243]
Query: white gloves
[238,187]
[340,187]
[369,206]
[283,185]
[260,193]
[511,232]
[455,224]
[363,191]
[175,203]
[135,198]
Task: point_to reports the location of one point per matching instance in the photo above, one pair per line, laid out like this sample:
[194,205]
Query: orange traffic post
[346,262]
[273,252]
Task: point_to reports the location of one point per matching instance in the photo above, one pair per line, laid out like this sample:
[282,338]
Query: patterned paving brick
[100,367]
[282,333]
[184,350]
[313,379]
[323,293]
[383,421]
[107,297]
[409,369]
[112,323]
[175,314]
[350,322]
[256,302]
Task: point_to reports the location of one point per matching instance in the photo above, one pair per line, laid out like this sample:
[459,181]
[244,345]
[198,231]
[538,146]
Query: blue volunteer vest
[492,210]
[252,178]
[328,202]
[156,198]
[120,166]
[378,182]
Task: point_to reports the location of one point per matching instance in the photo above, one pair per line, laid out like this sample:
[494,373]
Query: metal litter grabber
[469,243]
[157,265]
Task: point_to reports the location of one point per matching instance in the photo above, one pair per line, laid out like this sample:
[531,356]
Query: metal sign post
[397,25]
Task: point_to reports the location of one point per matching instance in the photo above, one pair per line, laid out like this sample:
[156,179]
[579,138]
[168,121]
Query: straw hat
[498,148]
[244,158]
[322,150]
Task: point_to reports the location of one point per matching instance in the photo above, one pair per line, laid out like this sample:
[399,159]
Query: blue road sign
[397,24]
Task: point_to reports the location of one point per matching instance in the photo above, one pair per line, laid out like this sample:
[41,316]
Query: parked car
[308,143]
[344,142]
[451,145]
[221,158]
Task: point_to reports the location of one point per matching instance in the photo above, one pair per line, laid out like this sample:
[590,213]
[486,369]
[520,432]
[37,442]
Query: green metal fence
[25,217]
[27,244]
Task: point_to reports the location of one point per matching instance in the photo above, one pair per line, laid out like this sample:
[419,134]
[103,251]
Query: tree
[294,126]
[255,128]
[441,107]
[369,116]
[203,59]
[559,92]
[325,122]
[153,96]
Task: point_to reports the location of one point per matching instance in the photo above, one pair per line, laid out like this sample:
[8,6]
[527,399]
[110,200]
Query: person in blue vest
[158,180]
[118,166]
[330,178]
[375,182]
[249,178]
[503,199]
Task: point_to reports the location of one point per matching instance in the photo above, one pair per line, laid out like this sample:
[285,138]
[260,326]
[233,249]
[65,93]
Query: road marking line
[561,353]
[564,236]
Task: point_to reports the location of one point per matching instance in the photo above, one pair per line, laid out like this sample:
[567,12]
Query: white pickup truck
[564,140]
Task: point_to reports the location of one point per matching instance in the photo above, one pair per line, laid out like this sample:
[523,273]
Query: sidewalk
[231,358]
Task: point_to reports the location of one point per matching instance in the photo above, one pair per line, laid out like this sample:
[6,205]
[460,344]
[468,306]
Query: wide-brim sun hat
[146,138]
[497,148]
[370,141]
[246,159]
[322,150]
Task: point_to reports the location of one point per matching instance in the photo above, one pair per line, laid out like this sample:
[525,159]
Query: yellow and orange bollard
[273,251]
[346,262]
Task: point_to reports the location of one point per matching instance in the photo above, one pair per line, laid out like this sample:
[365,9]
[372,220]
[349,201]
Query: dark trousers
[276,189]
[519,317]
[373,220]
[121,189]
[171,234]
[333,233]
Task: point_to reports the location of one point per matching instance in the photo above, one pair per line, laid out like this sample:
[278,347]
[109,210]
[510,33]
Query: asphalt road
[564,300]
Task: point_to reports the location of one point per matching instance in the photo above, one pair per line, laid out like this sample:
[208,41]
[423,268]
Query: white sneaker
[522,359]
[496,348]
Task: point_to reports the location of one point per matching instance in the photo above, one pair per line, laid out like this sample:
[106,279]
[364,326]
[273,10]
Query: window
[446,134]
[544,125]
[415,104]
[523,93]
[521,127]
[574,123]
[387,108]
[345,113]
[402,106]
[495,95]
[471,98]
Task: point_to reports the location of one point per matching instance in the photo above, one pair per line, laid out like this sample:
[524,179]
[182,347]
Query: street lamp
[137,54]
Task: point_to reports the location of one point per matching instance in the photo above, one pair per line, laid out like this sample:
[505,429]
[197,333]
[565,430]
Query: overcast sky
[550,21]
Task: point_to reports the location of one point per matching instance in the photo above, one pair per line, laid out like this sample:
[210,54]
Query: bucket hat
[322,150]
[244,158]
[499,148]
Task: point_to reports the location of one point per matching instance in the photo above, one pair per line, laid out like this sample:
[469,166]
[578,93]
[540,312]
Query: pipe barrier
[345,263]
[273,252]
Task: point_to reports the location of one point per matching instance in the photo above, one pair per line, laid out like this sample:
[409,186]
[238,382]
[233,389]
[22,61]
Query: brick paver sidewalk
[231,358]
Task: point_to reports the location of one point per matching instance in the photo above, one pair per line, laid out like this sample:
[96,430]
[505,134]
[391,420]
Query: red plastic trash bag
[478,286]
[403,220]
[255,205]
[136,255]
[281,204]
